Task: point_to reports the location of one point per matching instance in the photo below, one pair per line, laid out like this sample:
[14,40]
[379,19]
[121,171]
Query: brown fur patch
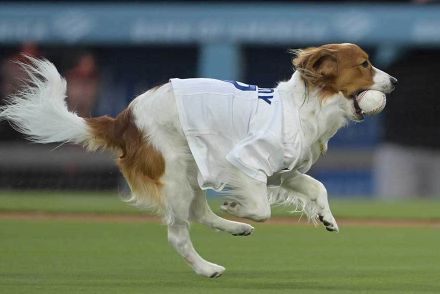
[141,164]
[335,68]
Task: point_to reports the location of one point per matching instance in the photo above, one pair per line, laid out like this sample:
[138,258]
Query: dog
[171,144]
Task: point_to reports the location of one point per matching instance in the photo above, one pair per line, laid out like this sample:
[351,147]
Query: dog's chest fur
[320,119]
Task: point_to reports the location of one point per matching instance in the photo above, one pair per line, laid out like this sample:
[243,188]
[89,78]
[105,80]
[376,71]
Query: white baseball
[371,101]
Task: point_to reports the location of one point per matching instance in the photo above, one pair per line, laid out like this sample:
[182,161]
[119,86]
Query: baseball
[371,101]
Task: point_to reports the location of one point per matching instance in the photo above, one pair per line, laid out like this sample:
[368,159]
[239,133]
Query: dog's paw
[329,222]
[242,229]
[210,270]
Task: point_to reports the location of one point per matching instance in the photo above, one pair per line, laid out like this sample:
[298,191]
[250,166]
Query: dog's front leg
[310,189]
[202,213]
[248,199]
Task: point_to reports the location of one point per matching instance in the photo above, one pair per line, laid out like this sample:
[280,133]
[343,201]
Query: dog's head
[342,69]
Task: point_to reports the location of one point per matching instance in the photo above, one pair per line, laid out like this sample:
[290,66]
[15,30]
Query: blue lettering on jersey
[265,94]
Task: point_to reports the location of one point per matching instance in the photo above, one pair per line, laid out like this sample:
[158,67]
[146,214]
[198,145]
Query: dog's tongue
[358,109]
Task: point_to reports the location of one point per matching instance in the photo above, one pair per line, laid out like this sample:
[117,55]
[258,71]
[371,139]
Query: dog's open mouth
[359,113]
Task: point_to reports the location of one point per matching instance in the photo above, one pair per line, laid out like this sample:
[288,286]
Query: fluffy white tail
[39,110]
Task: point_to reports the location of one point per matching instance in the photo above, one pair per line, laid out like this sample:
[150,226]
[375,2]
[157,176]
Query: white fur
[381,81]
[41,113]
[39,110]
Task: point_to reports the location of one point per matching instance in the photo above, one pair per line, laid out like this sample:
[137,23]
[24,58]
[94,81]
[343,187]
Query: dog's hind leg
[178,236]
[156,114]
[179,197]
[202,213]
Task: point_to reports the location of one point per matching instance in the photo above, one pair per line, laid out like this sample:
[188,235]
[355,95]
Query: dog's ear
[316,65]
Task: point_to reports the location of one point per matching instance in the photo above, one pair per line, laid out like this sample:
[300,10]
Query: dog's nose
[394,81]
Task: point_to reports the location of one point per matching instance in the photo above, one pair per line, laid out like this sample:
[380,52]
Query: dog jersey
[228,122]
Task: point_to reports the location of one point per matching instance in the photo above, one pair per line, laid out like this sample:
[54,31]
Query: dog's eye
[365,64]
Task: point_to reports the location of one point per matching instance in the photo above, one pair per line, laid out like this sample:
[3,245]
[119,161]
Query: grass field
[84,256]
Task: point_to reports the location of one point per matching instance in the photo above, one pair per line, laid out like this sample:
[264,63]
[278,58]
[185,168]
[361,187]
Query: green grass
[109,203]
[86,257]
[44,256]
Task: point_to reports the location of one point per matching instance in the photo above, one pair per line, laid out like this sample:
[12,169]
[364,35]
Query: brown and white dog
[154,157]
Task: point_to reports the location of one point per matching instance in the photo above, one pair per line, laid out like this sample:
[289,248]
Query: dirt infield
[293,221]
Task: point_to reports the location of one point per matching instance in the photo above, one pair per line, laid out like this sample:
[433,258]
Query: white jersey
[228,122]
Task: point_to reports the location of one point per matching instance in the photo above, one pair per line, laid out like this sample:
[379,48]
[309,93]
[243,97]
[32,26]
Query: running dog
[178,139]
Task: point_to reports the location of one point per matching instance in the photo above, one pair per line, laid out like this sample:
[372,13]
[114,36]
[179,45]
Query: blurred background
[112,51]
